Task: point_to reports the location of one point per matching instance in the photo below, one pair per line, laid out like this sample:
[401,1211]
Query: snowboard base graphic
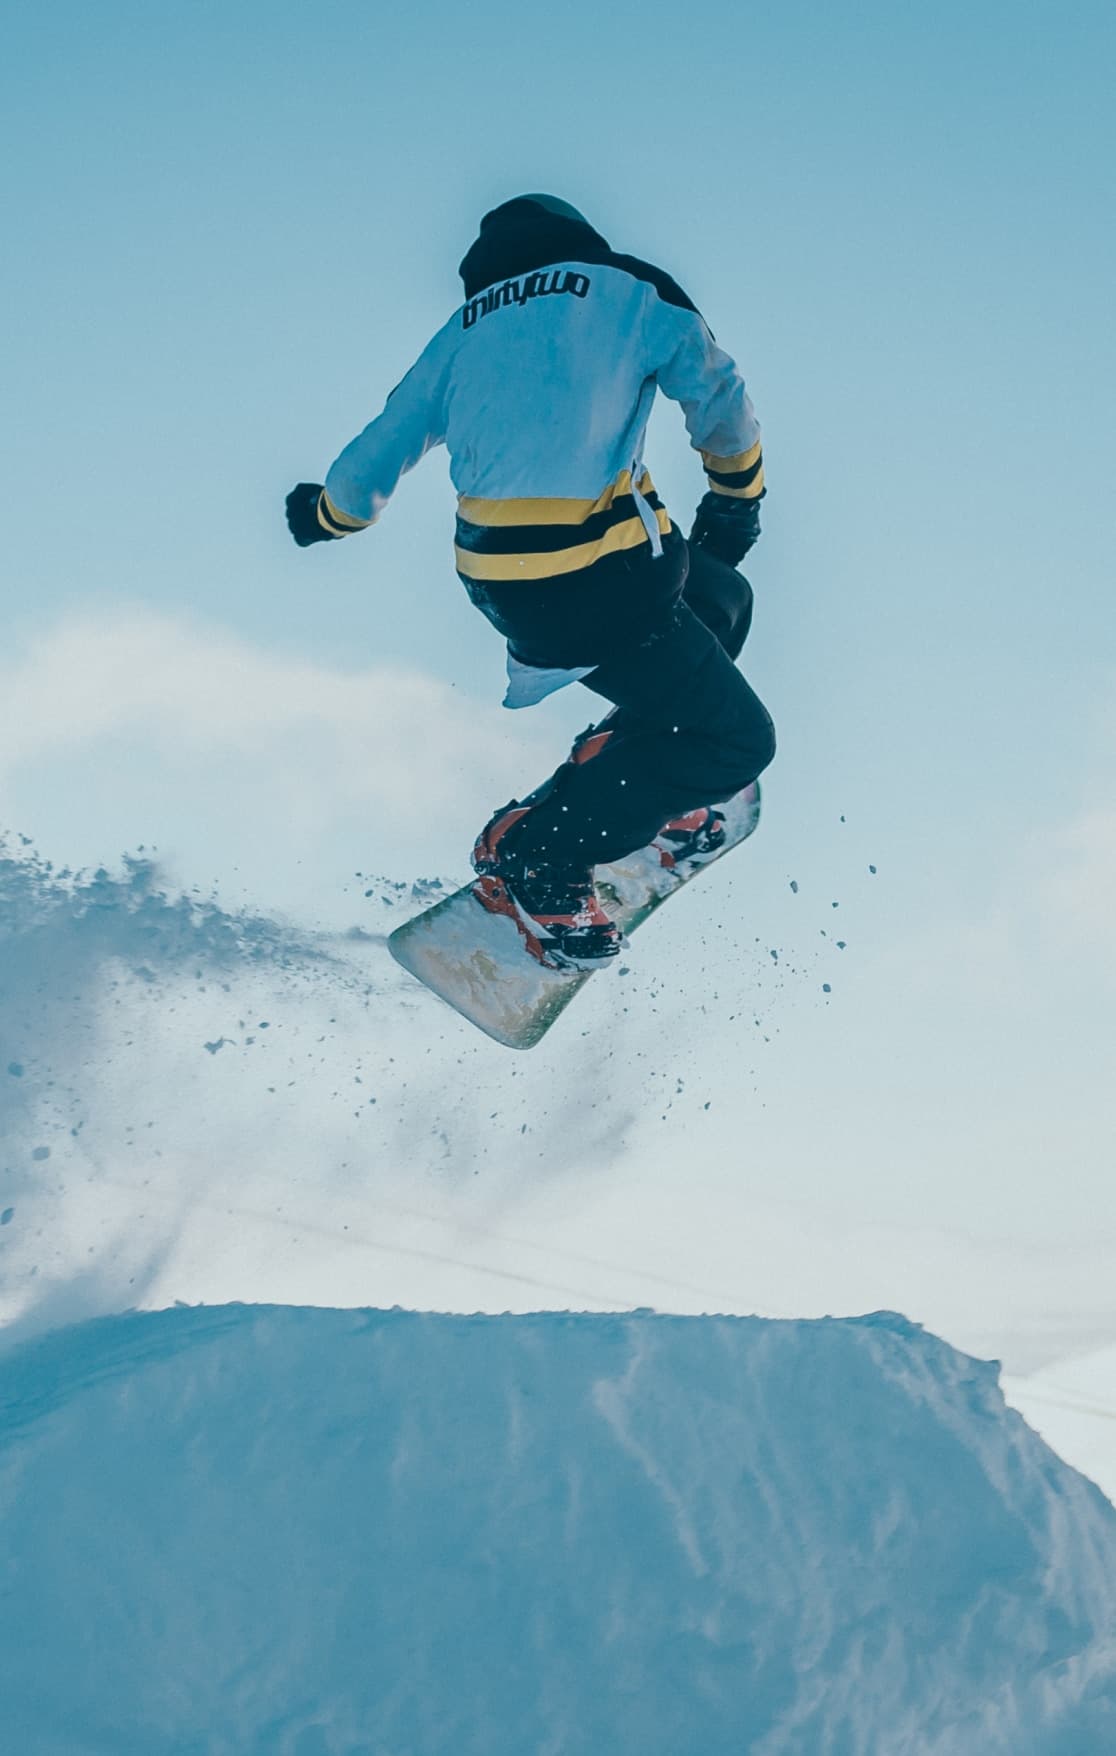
[478,963]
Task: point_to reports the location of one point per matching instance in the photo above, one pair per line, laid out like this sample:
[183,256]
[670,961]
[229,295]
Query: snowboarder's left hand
[302,515]
[726,527]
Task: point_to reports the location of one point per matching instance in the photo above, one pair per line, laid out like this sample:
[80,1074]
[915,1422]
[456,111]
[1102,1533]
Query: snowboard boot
[690,841]
[590,743]
[555,907]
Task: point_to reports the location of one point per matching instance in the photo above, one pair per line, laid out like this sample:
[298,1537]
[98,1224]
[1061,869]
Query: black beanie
[530,231]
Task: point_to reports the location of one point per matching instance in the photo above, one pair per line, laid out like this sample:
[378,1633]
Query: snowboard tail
[478,963]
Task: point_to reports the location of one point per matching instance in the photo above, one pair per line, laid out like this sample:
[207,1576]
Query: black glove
[302,515]
[726,527]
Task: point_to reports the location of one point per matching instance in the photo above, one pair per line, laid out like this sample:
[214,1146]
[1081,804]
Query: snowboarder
[541,386]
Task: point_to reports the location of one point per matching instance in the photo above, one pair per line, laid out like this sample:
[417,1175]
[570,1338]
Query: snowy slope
[288,1532]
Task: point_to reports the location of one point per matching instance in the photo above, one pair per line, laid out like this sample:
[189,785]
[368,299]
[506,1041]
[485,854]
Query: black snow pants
[687,730]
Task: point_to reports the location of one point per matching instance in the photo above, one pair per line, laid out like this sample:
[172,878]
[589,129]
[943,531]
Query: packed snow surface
[261,1531]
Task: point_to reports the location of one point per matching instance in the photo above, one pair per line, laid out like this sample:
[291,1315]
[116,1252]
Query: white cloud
[204,688]
[147,728]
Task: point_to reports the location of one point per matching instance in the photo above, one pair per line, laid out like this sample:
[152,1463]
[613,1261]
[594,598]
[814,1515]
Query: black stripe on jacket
[741,478]
[548,539]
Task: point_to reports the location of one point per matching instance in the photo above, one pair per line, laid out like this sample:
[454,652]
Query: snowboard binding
[555,908]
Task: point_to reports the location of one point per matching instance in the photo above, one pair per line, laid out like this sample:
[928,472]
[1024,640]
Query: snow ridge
[555,1533]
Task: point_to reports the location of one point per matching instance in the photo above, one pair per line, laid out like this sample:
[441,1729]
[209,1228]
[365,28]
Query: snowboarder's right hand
[302,515]
[726,527]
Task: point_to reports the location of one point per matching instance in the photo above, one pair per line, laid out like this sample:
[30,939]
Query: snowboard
[478,962]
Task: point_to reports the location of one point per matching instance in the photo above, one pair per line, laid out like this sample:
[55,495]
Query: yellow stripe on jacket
[740,477]
[336,522]
[502,540]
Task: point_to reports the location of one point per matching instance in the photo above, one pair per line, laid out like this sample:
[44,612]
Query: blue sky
[234,227]
[236,232]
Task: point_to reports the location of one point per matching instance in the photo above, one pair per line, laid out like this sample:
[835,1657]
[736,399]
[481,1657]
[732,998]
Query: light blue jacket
[541,389]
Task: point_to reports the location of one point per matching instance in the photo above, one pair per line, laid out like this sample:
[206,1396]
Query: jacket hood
[530,231]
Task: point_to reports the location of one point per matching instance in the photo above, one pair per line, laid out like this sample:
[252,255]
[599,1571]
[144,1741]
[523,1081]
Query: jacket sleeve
[692,370]
[365,476]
